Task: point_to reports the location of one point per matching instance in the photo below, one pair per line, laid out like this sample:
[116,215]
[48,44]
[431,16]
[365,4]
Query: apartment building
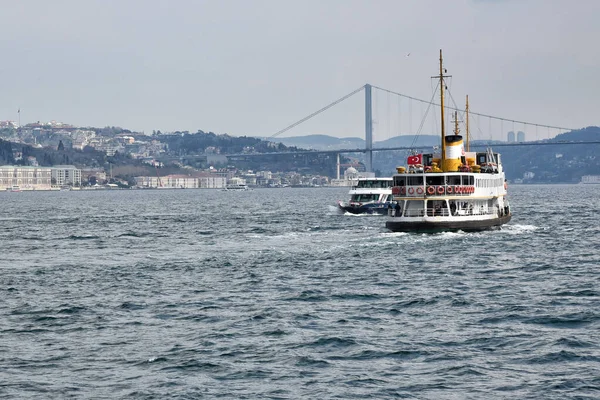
[66,175]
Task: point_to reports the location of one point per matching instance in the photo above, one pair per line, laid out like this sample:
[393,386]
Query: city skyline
[252,68]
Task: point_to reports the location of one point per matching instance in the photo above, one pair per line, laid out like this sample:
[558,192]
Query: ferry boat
[236,186]
[452,190]
[369,196]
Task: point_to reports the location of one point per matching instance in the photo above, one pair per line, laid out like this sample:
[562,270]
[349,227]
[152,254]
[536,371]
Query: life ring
[440,190]
[449,190]
[420,190]
[402,190]
[457,189]
[430,190]
[411,190]
[396,190]
[471,189]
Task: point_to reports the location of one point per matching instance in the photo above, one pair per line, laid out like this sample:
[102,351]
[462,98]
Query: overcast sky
[253,67]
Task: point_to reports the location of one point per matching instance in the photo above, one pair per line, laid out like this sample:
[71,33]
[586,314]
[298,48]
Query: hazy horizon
[253,68]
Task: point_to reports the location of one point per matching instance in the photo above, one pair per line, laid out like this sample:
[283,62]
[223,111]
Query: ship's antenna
[456,129]
[467,124]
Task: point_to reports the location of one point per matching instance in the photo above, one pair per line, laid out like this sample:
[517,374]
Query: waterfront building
[212,181]
[98,173]
[66,175]
[591,179]
[25,178]
[196,181]
[351,176]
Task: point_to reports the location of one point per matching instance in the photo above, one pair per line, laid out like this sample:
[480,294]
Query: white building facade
[25,178]
[182,181]
[66,175]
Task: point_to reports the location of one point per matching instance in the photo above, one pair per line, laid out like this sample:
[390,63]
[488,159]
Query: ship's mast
[442,109]
[467,124]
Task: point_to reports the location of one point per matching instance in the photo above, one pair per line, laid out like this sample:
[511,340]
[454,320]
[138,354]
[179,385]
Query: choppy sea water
[274,294]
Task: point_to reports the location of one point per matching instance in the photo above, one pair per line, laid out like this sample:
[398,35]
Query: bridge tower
[368,129]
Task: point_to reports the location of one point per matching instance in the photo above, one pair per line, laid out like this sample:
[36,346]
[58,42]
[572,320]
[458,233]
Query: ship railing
[441,212]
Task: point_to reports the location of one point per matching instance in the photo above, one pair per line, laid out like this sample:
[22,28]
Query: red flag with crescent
[415,159]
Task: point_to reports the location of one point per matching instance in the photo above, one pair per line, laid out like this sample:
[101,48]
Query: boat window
[364,198]
[453,180]
[414,208]
[414,180]
[435,179]
[437,208]
[399,181]
[481,158]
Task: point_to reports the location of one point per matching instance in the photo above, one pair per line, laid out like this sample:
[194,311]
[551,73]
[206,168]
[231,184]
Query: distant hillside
[325,142]
[561,163]
[409,141]
[321,142]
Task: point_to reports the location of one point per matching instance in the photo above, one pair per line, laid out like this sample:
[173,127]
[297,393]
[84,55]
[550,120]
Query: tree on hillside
[61,146]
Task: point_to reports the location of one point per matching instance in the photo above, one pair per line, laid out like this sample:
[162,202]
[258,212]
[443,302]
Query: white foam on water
[394,234]
[361,215]
[333,209]
[518,229]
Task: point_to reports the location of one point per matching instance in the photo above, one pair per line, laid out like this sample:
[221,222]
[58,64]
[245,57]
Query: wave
[83,237]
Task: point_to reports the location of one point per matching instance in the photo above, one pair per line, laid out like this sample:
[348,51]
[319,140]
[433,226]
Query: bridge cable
[327,107]
[474,113]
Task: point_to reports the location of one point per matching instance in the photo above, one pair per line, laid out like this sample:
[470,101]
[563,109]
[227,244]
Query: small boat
[369,196]
[14,188]
[452,190]
[236,186]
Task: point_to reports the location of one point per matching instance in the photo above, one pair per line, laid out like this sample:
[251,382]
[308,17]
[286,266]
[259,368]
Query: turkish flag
[415,159]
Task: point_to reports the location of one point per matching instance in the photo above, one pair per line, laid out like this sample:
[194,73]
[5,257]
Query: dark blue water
[274,294]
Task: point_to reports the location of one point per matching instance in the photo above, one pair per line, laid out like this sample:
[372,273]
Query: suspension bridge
[402,110]
[497,126]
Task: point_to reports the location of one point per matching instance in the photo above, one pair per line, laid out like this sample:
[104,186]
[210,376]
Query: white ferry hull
[421,225]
